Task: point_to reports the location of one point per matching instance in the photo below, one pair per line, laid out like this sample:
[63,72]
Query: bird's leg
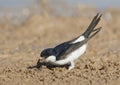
[72,65]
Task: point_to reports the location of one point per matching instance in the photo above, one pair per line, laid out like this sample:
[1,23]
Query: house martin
[69,51]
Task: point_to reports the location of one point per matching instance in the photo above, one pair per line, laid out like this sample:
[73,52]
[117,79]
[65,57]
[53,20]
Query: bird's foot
[72,65]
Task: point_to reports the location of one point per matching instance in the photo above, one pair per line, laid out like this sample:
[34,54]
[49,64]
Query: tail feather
[92,25]
[87,39]
[96,31]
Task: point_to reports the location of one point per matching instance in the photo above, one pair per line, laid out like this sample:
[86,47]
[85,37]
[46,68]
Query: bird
[68,52]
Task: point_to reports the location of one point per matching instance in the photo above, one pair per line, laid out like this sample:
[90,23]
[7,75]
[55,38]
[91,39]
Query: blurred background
[20,10]
[29,26]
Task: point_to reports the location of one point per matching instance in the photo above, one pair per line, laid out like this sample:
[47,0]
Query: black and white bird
[68,52]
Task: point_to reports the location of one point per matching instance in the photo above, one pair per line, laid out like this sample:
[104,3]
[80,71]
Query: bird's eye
[43,53]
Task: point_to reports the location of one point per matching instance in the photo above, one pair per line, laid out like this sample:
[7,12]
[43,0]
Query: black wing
[60,49]
[64,49]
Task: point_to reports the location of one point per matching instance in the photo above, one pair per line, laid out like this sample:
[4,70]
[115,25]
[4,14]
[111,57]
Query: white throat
[51,58]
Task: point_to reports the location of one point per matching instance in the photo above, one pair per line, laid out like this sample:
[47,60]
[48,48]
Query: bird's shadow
[47,64]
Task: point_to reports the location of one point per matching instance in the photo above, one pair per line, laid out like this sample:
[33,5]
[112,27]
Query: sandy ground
[20,47]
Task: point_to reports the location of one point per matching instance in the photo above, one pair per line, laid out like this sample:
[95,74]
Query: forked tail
[92,25]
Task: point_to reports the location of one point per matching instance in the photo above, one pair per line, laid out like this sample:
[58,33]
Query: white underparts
[73,56]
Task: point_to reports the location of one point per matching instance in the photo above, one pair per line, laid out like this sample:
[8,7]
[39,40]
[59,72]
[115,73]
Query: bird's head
[47,52]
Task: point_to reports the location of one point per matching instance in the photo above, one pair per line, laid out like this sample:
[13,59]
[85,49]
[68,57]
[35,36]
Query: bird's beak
[43,59]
